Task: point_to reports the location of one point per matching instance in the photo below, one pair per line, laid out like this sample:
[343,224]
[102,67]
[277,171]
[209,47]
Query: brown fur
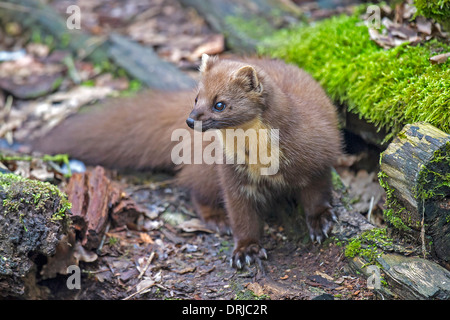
[258,94]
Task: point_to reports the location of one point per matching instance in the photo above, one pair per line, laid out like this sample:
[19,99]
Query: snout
[195,115]
[190,122]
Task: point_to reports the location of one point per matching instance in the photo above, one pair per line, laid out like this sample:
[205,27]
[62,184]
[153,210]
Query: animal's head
[230,94]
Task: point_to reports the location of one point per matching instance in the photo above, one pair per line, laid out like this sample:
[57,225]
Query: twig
[96,271]
[149,260]
[422,230]
[369,214]
[138,292]
[100,247]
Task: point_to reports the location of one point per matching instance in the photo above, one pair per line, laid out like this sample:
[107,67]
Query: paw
[246,255]
[320,225]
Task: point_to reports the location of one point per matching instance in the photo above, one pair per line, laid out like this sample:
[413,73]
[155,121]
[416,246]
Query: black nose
[190,122]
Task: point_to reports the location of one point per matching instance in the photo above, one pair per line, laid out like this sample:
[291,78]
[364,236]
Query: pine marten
[232,94]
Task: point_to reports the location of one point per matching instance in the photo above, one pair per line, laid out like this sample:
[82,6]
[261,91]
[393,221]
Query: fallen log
[407,278]
[415,172]
[245,22]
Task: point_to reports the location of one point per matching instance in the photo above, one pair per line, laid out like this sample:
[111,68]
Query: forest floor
[168,254]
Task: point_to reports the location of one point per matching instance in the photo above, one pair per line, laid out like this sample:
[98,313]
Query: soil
[195,265]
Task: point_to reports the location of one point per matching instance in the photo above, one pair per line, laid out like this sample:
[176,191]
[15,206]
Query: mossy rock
[388,88]
[34,216]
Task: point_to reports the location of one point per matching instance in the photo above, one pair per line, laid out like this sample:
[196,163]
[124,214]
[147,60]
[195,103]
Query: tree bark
[95,199]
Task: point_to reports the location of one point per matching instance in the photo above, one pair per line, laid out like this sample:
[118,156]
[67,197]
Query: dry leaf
[214,45]
[82,254]
[194,225]
[256,289]
[145,285]
[440,58]
[186,270]
[423,25]
[145,237]
[323,275]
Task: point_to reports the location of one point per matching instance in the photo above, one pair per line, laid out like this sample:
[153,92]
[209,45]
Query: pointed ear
[248,77]
[207,62]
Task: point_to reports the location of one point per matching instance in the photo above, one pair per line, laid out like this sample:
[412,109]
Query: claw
[333,217]
[325,229]
[248,260]
[238,264]
[263,253]
[319,239]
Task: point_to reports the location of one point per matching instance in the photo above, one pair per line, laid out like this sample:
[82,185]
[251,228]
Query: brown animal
[232,94]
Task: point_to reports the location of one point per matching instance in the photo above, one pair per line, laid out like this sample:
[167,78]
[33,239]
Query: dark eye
[196,99]
[219,106]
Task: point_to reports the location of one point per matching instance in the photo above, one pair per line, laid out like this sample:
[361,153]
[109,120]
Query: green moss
[19,192]
[393,214]
[434,179]
[58,158]
[386,87]
[439,10]
[369,245]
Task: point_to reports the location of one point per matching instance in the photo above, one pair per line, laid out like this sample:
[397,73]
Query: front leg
[316,199]
[247,228]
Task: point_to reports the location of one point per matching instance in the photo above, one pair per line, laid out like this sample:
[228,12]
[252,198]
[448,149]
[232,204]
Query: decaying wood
[95,198]
[29,232]
[415,172]
[416,175]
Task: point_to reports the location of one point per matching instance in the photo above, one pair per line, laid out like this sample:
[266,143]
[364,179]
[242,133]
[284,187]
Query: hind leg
[213,215]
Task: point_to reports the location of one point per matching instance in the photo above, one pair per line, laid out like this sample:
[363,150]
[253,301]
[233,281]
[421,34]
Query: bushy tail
[123,133]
